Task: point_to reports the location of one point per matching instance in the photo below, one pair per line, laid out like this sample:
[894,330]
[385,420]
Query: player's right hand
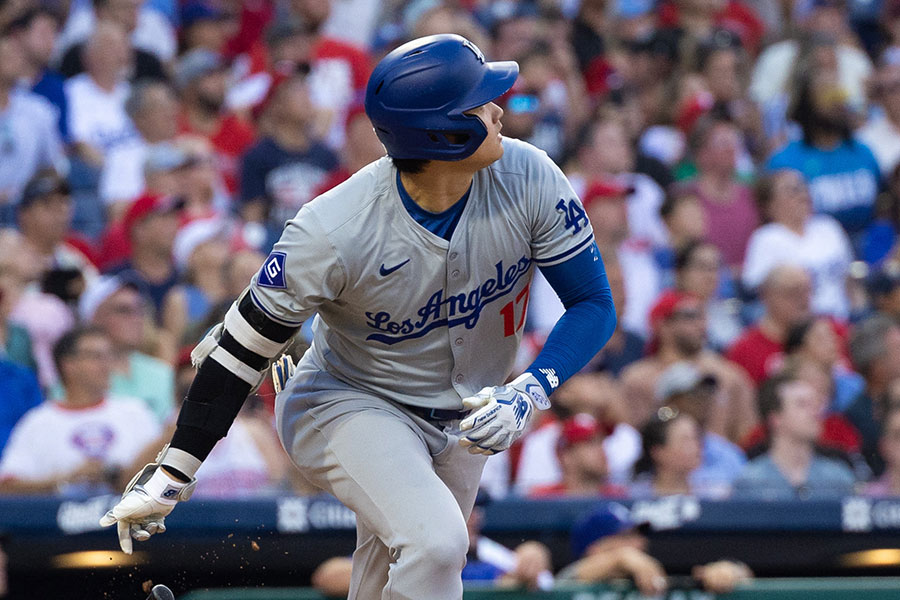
[501,415]
[148,498]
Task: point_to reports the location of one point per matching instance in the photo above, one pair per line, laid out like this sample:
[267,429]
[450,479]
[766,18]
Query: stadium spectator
[842,173]
[672,452]
[30,321]
[785,295]
[884,289]
[37,30]
[875,352]
[281,172]
[881,133]
[153,109]
[201,250]
[608,544]
[686,389]
[582,460]
[728,204]
[793,235]
[724,63]
[600,397]
[29,139]
[151,223]
[44,217]
[96,98]
[205,24]
[607,210]
[200,185]
[679,329]
[699,272]
[815,341]
[78,444]
[793,412]
[362,147]
[824,38]
[685,220]
[605,154]
[151,35]
[201,78]
[20,392]
[117,307]
[888,485]
[338,70]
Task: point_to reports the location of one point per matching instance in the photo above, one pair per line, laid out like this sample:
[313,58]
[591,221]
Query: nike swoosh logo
[385,272]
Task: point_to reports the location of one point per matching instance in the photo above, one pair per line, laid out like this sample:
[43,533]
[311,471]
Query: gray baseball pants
[410,483]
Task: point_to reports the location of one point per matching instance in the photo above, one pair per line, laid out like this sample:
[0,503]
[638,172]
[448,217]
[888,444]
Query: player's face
[491,149]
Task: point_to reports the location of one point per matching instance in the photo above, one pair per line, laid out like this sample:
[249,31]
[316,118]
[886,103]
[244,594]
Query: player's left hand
[501,415]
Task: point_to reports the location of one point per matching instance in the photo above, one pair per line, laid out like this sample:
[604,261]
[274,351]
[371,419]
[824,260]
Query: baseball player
[417,271]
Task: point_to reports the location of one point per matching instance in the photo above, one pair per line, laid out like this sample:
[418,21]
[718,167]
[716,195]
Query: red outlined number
[510,327]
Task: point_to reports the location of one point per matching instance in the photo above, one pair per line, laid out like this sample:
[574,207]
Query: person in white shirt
[97,117]
[793,235]
[29,139]
[153,108]
[148,28]
[79,444]
[881,133]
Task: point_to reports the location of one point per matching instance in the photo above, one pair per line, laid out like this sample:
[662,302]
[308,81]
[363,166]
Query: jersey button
[459,378]
[455,273]
[458,341]
[453,255]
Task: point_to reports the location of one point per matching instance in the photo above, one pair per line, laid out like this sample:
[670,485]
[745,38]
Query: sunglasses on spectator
[687,315]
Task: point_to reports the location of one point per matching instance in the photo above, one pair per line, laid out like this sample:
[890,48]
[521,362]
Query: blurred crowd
[739,161]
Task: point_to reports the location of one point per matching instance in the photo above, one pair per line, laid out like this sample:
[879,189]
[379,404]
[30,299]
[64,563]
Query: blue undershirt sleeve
[587,324]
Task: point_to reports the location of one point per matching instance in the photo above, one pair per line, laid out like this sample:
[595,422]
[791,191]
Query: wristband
[529,385]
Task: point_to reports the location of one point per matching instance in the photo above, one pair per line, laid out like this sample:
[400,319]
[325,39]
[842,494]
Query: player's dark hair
[410,165]
[67,345]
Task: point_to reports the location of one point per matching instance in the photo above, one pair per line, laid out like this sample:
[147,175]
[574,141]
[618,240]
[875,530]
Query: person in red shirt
[583,461]
[699,18]
[785,295]
[201,78]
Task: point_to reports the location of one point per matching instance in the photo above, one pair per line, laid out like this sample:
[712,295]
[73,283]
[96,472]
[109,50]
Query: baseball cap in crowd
[42,185]
[610,519]
[632,9]
[284,29]
[885,280]
[579,428]
[668,303]
[99,290]
[149,204]
[164,157]
[195,11]
[195,233]
[680,378]
[606,189]
[195,64]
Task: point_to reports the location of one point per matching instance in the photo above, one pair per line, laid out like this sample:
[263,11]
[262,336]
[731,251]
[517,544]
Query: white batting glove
[501,414]
[148,498]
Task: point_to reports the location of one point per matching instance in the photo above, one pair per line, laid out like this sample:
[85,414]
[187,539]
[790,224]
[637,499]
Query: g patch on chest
[271,275]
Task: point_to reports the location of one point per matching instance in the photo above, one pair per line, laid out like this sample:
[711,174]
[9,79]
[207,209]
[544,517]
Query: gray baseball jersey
[402,312]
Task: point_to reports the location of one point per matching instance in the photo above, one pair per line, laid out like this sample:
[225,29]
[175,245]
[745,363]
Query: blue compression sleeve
[587,324]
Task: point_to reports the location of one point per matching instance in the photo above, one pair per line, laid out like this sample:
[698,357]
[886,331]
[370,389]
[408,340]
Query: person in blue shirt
[20,392]
[37,29]
[842,172]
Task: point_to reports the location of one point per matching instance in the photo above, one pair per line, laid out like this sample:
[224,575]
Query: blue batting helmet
[419,92]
